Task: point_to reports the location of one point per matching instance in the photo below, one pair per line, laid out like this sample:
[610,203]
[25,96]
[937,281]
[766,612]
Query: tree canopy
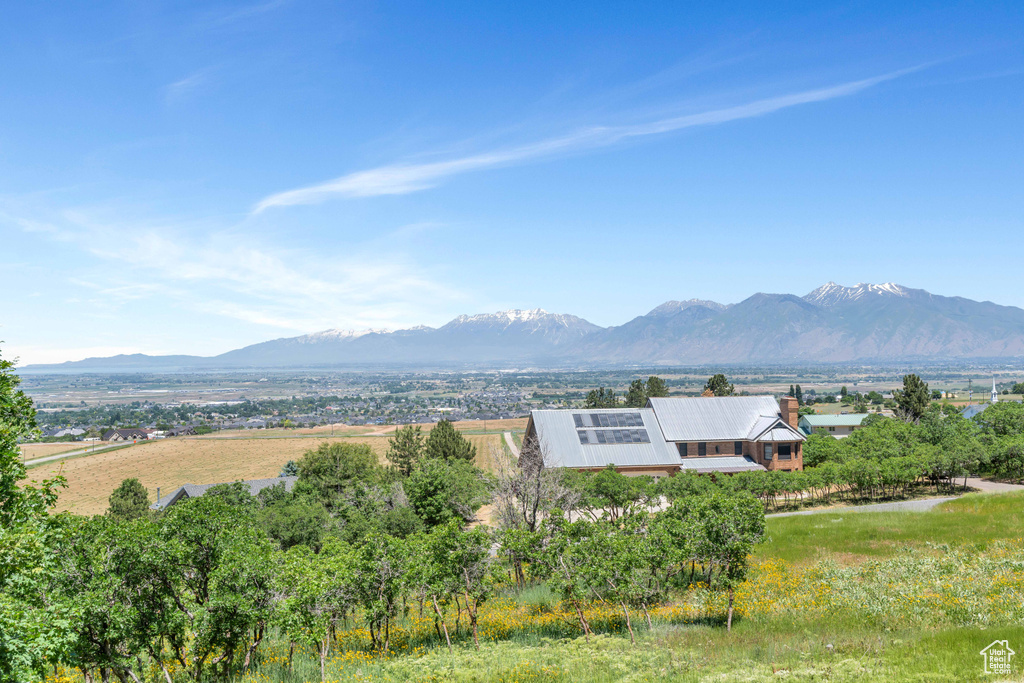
[912,400]
[601,398]
[718,385]
[446,443]
[406,448]
[640,390]
[130,500]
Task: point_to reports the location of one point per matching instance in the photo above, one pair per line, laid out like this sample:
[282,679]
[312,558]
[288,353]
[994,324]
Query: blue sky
[192,177]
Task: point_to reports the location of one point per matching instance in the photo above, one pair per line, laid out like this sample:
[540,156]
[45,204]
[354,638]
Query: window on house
[682,449]
[767,451]
[737,448]
[831,429]
[702,448]
[784,451]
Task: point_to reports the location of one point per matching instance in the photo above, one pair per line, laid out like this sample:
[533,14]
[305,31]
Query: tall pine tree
[445,442]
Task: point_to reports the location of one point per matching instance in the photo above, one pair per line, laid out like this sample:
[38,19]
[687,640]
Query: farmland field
[203,460]
[41,450]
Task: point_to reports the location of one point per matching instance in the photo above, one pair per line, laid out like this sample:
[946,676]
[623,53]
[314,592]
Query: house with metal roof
[724,434]
[198,490]
[839,426]
[131,434]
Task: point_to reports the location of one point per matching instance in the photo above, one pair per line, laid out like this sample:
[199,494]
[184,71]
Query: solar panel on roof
[613,436]
[584,420]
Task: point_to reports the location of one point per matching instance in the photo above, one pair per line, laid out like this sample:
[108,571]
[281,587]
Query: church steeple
[995,394]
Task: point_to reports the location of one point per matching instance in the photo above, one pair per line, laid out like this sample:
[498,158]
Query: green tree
[130,500]
[612,494]
[601,398]
[799,394]
[90,596]
[639,391]
[445,442]
[718,385]
[636,396]
[218,568]
[296,518]
[912,400]
[290,469]
[730,527]
[31,630]
[819,449]
[843,392]
[656,387]
[317,591]
[381,573]
[406,448]
[1008,457]
[441,490]
[334,469]
[1005,418]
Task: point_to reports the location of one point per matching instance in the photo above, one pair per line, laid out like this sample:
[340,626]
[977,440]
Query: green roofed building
[839,426]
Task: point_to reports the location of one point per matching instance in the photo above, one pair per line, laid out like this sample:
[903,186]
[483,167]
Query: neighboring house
[724,434]
[197,490]
[58,433]
[970,411]
[839,426]
[126,434]
[187,430]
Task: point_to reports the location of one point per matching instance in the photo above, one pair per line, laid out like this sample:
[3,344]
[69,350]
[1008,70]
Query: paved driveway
[512,444]
[901,506]
[910,505]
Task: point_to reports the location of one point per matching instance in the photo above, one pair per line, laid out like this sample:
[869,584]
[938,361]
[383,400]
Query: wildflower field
[919,615]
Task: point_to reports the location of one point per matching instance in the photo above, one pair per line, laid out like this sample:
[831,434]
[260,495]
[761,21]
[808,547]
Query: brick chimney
[790,410]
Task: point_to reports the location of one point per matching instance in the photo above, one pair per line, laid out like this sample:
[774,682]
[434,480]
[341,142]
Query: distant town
[136,407]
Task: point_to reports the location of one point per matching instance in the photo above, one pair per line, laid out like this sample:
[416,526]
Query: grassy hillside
[975,520]
[857,597]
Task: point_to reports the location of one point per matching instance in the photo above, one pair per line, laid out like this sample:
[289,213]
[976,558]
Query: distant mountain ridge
[833,323]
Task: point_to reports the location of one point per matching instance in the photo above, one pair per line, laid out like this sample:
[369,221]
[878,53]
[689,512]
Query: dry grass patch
[41,450]
[170,463]
[173,462]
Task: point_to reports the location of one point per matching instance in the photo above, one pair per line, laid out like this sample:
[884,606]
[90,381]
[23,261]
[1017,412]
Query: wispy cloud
[232,274]
[404,178]
[242,12]
[186,86]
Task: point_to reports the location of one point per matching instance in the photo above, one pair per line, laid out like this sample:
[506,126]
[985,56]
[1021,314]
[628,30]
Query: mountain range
[832,324]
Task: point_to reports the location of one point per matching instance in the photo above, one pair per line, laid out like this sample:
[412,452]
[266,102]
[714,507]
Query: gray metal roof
[850,420]
[973,409]
[727,464]
[197,490]
[561,446]
[780,433]
[715,418]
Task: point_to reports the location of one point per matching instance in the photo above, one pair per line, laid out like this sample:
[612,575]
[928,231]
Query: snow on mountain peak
[672,307]
[830,293]
[341,335]
[513,315]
